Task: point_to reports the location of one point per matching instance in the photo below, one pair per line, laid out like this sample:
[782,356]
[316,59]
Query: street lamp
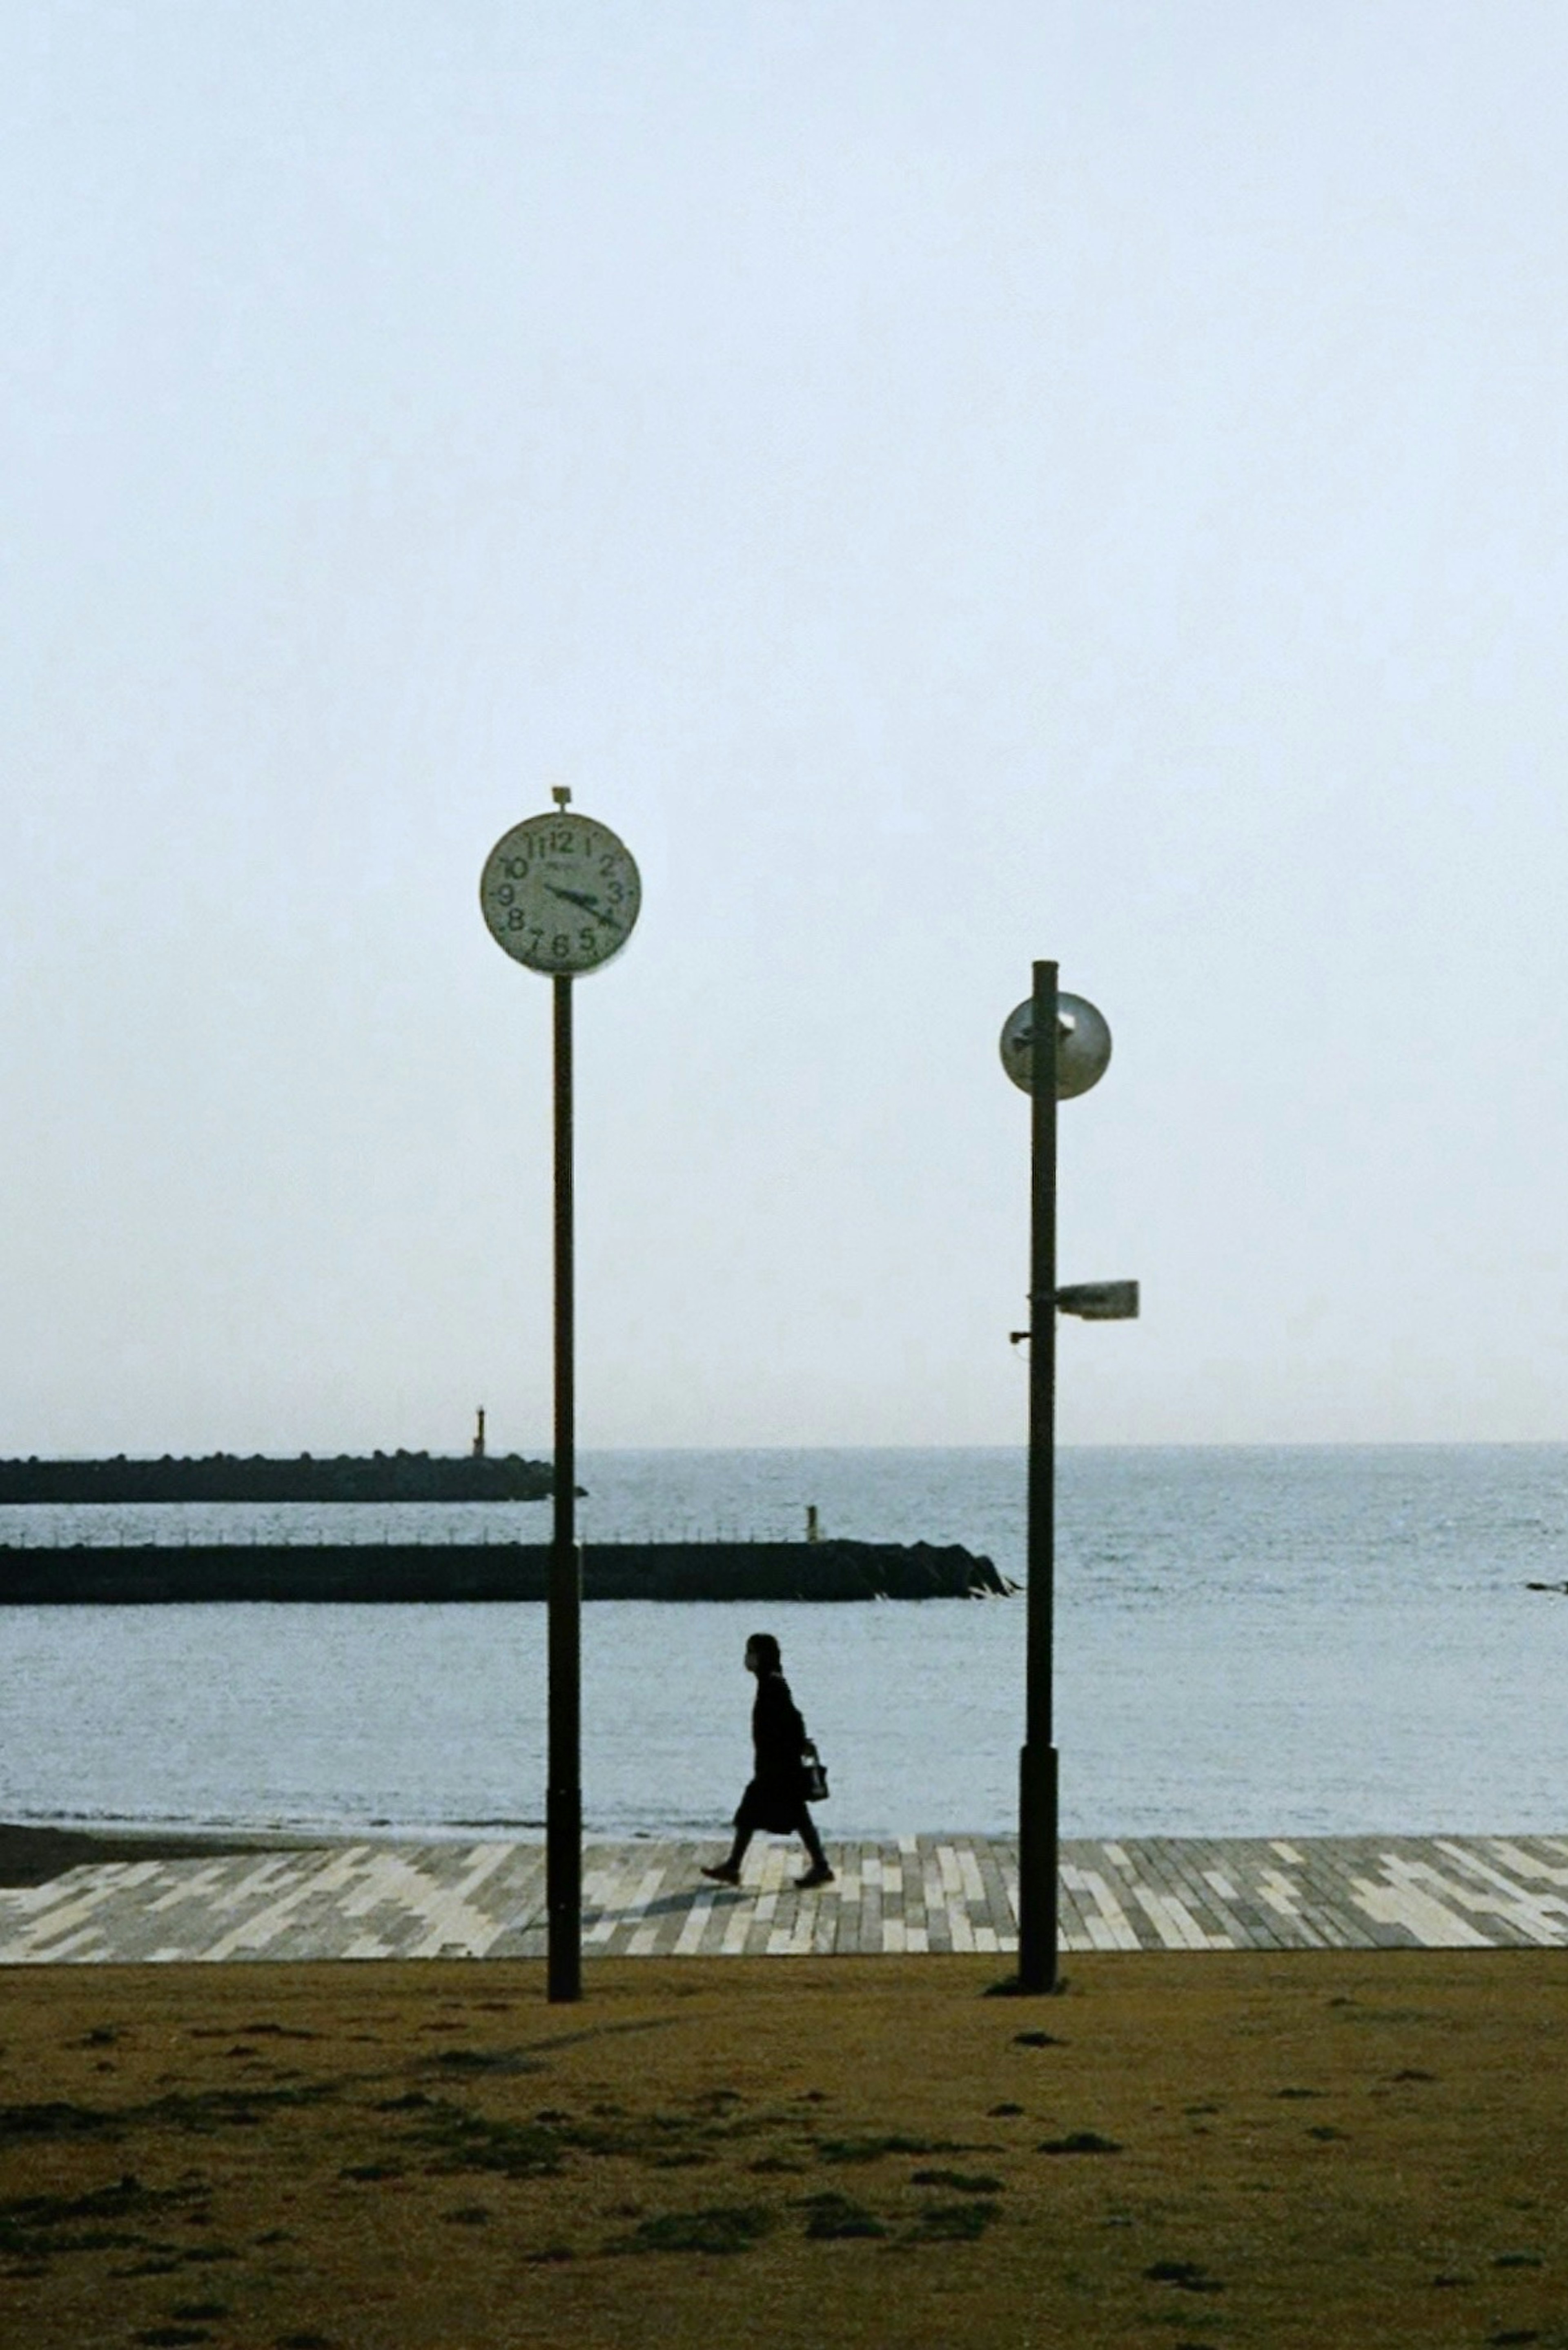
[1052,1046]
[560,894]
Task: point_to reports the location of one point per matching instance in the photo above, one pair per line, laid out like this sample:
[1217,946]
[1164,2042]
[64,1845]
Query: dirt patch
[1275,2150]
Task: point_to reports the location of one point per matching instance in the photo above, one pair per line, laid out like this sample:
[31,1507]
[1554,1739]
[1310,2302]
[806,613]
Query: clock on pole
[560,894]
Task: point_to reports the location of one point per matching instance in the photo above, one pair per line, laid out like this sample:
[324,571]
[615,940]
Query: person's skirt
[775,1808]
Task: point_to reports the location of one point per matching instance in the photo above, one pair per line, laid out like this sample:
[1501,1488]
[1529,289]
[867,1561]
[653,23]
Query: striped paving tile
[919,1893]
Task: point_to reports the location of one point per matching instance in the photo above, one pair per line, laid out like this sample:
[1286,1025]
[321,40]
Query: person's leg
[819,1872]
[728,1871]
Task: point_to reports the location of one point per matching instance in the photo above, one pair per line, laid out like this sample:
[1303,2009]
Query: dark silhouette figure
[776,1799]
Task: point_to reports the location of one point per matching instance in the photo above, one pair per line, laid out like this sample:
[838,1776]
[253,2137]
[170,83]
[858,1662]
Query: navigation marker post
[1052,1046]
[561,894]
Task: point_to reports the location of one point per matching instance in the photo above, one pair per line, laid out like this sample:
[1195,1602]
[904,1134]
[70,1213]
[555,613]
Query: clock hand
[589,905]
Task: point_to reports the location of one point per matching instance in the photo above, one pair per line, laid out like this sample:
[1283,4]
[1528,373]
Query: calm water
[1249,1642]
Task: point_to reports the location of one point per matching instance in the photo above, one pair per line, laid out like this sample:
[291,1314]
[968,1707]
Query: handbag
[814,1774]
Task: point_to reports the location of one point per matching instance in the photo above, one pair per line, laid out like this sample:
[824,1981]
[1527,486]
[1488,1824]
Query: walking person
[776,1799]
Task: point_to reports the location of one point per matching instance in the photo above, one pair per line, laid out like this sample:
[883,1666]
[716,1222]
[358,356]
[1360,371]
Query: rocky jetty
[169,1573]
[230,1477]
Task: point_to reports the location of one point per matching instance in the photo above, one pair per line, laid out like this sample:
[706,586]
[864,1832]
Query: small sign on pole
[1100,1301]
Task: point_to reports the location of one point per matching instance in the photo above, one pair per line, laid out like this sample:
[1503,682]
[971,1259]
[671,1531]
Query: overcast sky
[949,486]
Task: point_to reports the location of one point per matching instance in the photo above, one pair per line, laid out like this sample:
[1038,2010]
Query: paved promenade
[920,1893]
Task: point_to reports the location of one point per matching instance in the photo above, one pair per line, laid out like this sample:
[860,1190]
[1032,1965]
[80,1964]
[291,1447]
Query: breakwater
[155,1573]
[231,1477]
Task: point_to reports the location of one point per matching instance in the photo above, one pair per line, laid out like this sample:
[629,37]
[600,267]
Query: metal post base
[564,1891]
[1037,1863]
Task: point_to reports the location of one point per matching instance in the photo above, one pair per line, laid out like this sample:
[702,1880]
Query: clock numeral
[586,940]
[516,867]
[560,946]
[615,893]
[506,895]
[516,919]
[563,844]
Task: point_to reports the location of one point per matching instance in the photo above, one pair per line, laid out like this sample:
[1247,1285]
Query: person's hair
[767,1649]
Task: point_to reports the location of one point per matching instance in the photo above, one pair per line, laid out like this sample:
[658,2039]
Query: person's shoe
[723,1873]
[819,1874]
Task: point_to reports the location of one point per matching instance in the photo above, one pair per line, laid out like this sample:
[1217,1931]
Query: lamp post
[1053,1046]
[560,894]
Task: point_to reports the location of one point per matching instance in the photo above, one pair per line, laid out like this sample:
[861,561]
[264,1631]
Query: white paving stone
[411,1900]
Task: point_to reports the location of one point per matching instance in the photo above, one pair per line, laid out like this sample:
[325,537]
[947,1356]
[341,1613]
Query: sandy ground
[1185,2150]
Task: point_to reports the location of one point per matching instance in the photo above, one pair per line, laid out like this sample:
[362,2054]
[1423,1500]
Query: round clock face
[560,893]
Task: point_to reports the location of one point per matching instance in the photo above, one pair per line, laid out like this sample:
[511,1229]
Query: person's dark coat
[776,1796]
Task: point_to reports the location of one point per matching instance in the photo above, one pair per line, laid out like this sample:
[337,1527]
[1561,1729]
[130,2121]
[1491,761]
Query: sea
[1258,1641]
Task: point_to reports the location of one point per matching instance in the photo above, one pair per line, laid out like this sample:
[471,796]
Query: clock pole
[564,1799]
[1037,1799]
[560,895]
[1052,1046]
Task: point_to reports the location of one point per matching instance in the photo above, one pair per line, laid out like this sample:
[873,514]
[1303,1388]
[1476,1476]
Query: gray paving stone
[925,1893]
